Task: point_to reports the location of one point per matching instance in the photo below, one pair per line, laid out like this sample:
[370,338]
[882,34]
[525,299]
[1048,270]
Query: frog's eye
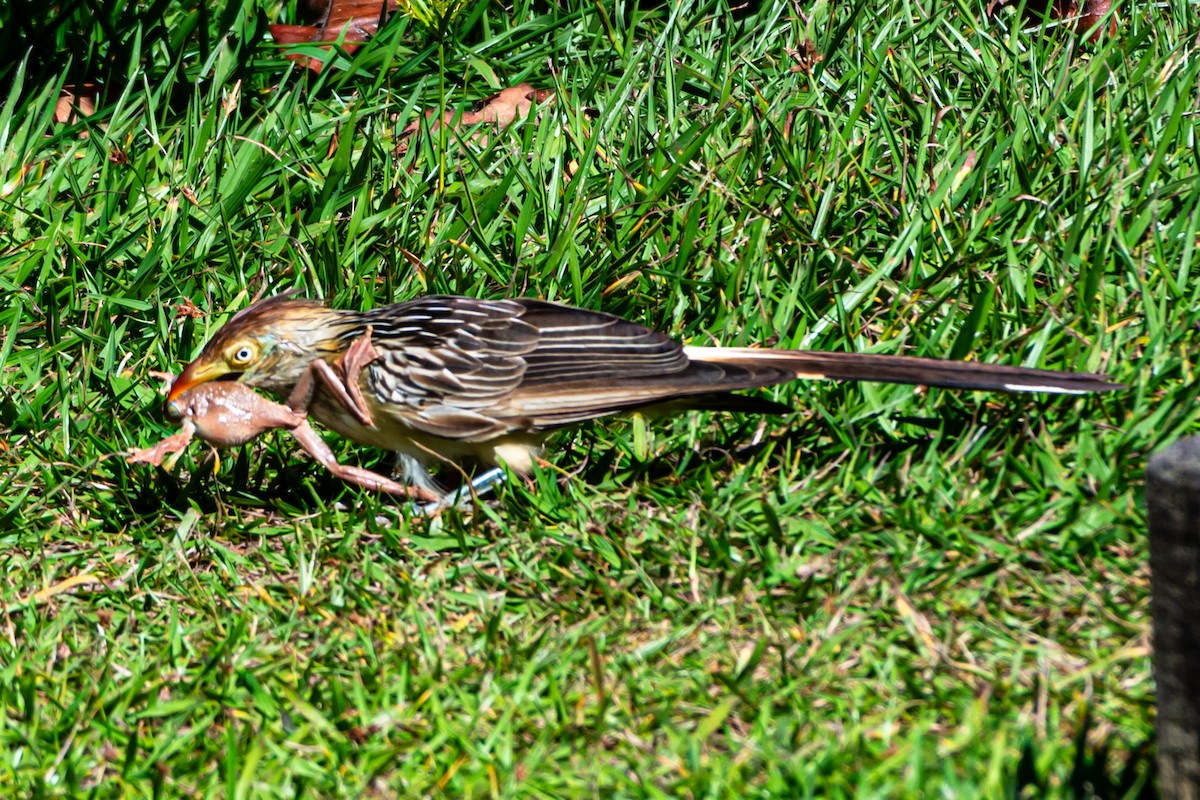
[242,355]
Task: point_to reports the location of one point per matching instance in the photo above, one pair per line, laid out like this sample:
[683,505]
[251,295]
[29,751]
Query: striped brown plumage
[461,377]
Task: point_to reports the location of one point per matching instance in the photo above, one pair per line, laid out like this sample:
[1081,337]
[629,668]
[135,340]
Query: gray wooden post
[1173,499]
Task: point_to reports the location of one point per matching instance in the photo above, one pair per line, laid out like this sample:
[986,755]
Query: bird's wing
[471,369]
[439,350]
[578,345]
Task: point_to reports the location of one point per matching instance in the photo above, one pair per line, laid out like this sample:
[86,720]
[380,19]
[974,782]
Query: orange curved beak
[193,375]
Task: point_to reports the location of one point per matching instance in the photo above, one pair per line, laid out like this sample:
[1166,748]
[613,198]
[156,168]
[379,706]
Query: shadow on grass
[258,479]
[1095,772]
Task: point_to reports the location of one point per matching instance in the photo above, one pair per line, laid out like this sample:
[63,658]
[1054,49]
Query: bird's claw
[462,496]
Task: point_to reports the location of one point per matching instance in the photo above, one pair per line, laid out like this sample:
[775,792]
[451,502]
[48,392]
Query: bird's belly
[517,450]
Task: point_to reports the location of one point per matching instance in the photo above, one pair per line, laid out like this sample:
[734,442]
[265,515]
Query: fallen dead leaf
[500,109]
[1087,14]
[349,22]
[188,309]
[1090,16]
[76,101]
[806,57]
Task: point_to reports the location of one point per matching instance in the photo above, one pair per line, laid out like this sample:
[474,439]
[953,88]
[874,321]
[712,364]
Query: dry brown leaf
[806,57]
[187,309]
[1091,14]
[350,22]
[500,109]
[75,101]
[1087,14]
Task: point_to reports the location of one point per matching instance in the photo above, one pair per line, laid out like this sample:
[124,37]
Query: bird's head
[268,345]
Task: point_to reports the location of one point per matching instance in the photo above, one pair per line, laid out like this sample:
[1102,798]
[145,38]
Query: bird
[452,378]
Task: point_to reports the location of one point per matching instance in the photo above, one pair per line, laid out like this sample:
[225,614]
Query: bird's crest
[263,314]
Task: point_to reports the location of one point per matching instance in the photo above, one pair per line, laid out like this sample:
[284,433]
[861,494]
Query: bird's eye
[242,355]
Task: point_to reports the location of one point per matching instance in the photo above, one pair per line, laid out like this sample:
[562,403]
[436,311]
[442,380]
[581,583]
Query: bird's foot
[462,496]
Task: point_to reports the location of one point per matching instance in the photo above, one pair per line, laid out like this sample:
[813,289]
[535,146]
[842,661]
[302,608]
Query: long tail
[809,364]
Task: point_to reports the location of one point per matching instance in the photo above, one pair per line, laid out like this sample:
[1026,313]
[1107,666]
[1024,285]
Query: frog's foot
[172,444]
[315,446]
[359,354]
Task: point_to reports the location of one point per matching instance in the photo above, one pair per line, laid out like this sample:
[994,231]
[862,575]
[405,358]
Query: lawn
[889,593]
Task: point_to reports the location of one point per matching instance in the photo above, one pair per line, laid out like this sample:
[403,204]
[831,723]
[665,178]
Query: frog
[229,414]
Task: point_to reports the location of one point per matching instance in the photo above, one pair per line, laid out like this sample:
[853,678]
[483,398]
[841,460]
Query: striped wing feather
[463,368]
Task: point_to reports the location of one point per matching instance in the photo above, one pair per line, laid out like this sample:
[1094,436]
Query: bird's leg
[415,472]
[344,387]
[315,446]
[480,484]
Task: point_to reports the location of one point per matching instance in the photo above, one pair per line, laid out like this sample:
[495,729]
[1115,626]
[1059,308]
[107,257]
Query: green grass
[889,593]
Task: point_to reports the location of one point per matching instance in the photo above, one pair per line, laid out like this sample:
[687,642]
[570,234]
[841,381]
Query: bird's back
[464,368]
